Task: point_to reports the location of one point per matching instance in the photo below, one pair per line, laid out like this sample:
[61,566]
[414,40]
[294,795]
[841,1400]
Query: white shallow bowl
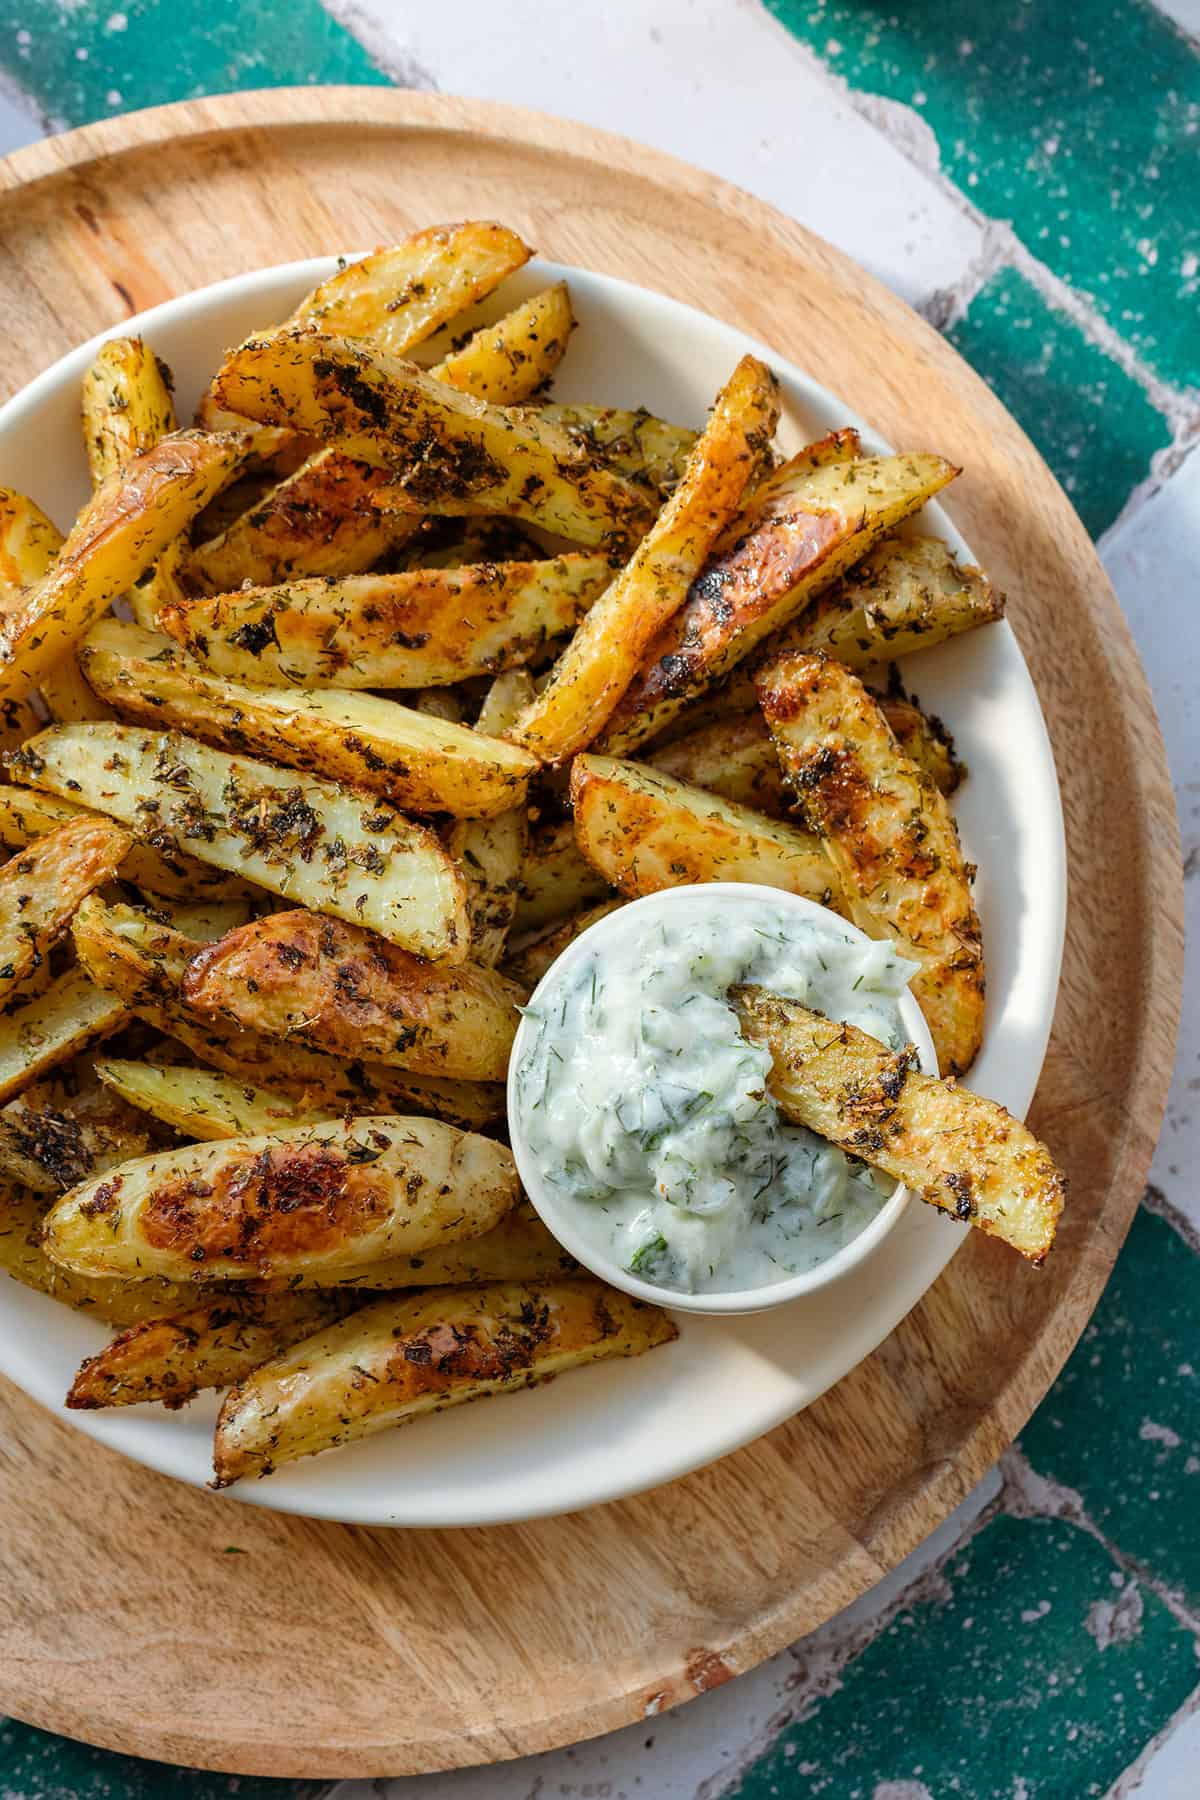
[617,1428]
[563,1216]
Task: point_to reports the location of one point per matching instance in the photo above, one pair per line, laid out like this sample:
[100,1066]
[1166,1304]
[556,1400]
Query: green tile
[1122,1423]
[1036,1670]
[81,61]
[1074,121]
[1090,420]
[36,1766]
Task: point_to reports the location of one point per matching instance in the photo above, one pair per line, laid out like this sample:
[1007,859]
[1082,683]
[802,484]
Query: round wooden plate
[325,1650]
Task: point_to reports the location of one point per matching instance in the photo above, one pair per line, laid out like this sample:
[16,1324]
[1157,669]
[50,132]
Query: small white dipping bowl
[558,1215]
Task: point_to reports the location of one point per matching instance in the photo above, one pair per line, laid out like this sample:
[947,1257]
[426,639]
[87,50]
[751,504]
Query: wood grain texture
[336,1651]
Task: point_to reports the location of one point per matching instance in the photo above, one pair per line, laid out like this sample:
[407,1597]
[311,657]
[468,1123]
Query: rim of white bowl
[557,1217]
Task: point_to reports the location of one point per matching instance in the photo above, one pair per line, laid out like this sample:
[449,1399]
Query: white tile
[1154,563]
[1184,12]
[1172,1772]
[19,124]
[718,83]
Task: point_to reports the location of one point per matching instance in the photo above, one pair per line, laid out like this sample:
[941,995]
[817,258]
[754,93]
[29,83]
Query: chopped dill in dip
[648,1112]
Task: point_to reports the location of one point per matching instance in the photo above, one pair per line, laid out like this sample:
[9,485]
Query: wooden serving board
[335,1651]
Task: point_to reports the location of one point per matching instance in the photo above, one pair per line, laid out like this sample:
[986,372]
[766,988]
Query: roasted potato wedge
[804,526]
[421,628]
[603,656]
[510,361]
[127,406]
[119,1302]
[40,1034]
[491,852]
[403,1357]
[519,1248]
[141,963]
[51,1139]
[643,830]
[212,1345]
[312,1198]
[41,887]
[556,880]
[117,536]
[29,543]
[958,1151]
[448,452]
[26,815]
[924,740]
[888,833]
[354,738]
[315,842]
[67,696]
[908,594]
[200,1103]
[634,443]
[534,954]
[350,993]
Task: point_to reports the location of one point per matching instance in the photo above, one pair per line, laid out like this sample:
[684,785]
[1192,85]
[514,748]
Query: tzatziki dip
[647,1114]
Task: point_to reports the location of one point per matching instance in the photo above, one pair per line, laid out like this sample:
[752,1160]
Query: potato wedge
[556,880]
[403,1357]
[908,594]
[510,361]
[958,1151]
[424,627]
[448,452]
[119,1302]
[67,696]
[142,963]
[38,1035]
[643,830]
[888,833]
[51,1139]
[349,993]
[29,543]
[805,525]
[269,449]
[308,1199]
[924,740]
[355,738]
[40,888]
[603,656]
[313,841]
[534,954]
[491,852]
[519,1248]
[123,528]
[26,815]
[127,406]
[634,443]
[200,1103]
[212,1345]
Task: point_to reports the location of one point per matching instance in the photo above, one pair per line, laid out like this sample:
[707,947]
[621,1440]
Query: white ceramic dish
[614,1429]
[562,1216]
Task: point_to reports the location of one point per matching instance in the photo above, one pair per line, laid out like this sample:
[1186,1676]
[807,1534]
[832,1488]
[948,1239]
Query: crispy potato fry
[958,1151]
[45,1031]
[311,1198]
[644,830]
[908,594]
[448,452]
[510,361]
[491,852]
[603,656]
[40,888]
[519,1248]
[315,842]
[424,627]
[200,1103]
[806,524]
[556,879]
[124,527]
[403,1357]
[26,815]
[212,1345]
[354,738]
[118,1302]
[634,443]
[29,543]
[51,1139]
[890,836]
[350,993]
[534,954]
[127,406]
[142,963]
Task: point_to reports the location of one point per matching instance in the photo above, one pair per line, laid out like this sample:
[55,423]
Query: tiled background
[1027,174]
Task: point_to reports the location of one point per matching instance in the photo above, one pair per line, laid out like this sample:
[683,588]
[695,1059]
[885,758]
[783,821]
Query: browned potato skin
[42,886]
[791,541]
[400,1358]
[142,964]
[890,836]
[207,1346]
[924,740]
[959,1152]
[29,543]
[351,993]
[645,831]
[117,1301]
